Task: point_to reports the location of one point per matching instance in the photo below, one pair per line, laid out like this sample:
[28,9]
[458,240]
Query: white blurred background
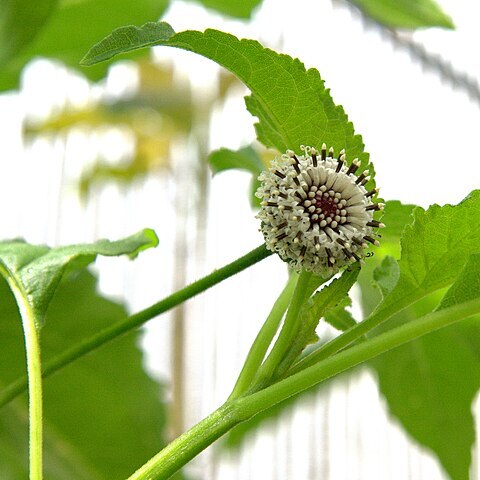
[422,134]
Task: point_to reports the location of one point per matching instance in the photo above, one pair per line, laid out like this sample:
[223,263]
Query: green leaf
[36,270]
[73,27]
[233,8]
[291,103]
[420,379]
[386,275]
[396,216]
[103,415]
[20,23]
[339,317]
[408,14]
[435,248]
[430,383]
[246,158]
[129,38]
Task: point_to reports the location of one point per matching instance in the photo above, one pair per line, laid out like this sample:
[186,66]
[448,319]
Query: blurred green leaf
[246,158]
[20,22]
[408,14]
[37,269]
[292,104]
[104,417]
[73,27]
[430,383]
[233,8]
[395,217]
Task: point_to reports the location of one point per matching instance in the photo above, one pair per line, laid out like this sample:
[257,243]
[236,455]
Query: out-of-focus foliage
[249,158]
[64,33]
[292,104]
[20,23]
[103,416]
[232,8]
[158,113]
[409,14]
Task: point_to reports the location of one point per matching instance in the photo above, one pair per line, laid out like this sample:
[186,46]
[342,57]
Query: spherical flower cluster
[316,212]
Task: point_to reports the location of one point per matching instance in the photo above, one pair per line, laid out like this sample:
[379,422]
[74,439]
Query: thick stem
[186,447]
[128,324]
[264,338]
[34,372]
[266,398]
[173,457]
[287,334]
[346,338]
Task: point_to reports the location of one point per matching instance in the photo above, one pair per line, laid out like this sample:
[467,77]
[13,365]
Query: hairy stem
[264,338]
[134,321]
[34,372]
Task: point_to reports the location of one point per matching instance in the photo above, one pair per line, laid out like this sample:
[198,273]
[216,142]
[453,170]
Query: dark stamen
[314,159]
[281,236]
[374,206]
[364,181]
[279,174]
[374,224]
[340,163]
[372,192]
[360,178]
[324,152]
[355,256]
[353,168]
[370,239]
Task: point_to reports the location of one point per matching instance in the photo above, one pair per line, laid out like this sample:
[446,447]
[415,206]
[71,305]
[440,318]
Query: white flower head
[316,212]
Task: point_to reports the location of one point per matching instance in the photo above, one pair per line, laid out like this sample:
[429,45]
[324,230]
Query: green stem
[34,372]
[134,321]
[187,446]
[287,334]
[264,338]
[266,398]
[345,339]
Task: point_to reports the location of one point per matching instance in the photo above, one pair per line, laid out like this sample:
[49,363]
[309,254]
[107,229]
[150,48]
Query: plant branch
[123,326]
[191,443]
[311,376]
[178,453]
[34,372]
[287,334]
[264,338]
[346,338]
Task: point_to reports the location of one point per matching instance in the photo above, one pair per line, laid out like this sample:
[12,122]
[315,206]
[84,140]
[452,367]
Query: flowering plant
[320,212]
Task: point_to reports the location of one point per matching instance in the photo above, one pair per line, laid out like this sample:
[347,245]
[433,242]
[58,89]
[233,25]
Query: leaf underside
[37,269]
